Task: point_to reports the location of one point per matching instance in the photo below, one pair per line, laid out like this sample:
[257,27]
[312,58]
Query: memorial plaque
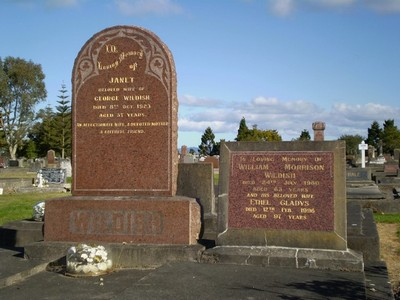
[281,190]
[54,175]
[358,174]
[289,194]
[124,115]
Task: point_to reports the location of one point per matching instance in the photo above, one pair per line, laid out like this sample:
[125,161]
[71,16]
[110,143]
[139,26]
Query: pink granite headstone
[125,156]
[288,194]
[124,115]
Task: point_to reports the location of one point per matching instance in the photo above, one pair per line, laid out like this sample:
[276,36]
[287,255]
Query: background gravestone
[125,157]
[51,159]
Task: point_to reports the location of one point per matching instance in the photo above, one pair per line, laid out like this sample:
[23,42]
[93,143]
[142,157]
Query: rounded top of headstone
[318,125]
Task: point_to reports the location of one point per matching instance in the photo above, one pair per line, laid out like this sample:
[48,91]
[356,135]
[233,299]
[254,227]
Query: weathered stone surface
[285,257]
[124,255]
[141,220]
[196,181]
[358,174]
[124,107]
[20,233]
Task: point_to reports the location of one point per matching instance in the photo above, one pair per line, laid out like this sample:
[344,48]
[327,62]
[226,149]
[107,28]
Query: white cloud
[331,3]
[366,111]
[60,3]
[289,118]
[281,7]
[265,101]
[284,8]
[384,6]
[145,7]
[190,100]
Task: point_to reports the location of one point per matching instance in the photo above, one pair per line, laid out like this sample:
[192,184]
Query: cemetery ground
[16,206]
[389,235]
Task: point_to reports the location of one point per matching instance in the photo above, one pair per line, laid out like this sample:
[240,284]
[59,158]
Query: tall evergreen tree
[390,137]
[243,130]
[207,142]
[305,135]
[43,132]
[374,135]
[63,122]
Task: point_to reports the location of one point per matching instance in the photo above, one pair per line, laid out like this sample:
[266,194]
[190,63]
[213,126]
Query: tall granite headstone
[125,154]
[124,115]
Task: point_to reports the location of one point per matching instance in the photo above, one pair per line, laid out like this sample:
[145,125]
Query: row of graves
[48,174]
[276,204]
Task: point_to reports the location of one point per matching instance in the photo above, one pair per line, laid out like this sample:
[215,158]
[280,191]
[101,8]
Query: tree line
[386,138]
[25,132]
[30,134]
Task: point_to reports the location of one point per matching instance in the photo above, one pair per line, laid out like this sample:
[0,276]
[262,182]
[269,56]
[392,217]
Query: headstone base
[132,220]
[20,233]
[286,257]
[123,255]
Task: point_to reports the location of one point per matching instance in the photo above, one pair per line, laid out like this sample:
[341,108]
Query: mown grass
[21,175]
[387,218]
[19,206]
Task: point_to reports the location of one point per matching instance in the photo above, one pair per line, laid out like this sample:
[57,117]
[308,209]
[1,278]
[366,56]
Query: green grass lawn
[387,218]
[19,206]
[21,175]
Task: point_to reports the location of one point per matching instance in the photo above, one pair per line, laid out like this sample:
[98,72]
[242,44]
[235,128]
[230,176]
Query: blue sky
[281,64]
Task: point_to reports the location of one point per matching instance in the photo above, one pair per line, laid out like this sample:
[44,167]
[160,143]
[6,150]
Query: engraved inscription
[117,222]
[281,190]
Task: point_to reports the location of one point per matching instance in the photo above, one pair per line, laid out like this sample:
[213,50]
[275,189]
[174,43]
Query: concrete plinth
[20,233]
[286,257]
[123,255]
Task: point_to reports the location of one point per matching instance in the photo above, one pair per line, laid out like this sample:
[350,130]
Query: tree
[374,135]
[43,132]
[304,136]
[243,130]
[63,123]
[255,134]
[390,137]
[207,142]
[352,142]
[21,88]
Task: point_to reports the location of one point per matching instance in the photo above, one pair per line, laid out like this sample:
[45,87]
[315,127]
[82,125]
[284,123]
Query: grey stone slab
[286,257]
[196,180]
[364,192]
[124,255]
[20,233]
[205,281]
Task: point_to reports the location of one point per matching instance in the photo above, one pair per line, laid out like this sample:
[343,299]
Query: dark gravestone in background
[124,115]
